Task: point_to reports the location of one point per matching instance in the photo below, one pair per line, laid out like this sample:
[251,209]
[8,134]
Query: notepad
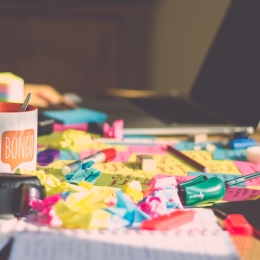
[77,115]
[7,227]
[203,240]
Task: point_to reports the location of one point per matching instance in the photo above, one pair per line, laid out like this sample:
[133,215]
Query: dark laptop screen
[229,80]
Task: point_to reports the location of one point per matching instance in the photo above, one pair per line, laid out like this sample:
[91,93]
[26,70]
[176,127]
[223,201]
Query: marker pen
[101,156]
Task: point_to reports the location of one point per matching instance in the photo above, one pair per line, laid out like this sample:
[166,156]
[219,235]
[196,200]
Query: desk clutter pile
[136,190]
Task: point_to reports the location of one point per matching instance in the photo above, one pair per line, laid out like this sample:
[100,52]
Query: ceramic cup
[18,137]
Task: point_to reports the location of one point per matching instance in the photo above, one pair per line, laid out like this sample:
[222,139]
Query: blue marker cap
[242,143]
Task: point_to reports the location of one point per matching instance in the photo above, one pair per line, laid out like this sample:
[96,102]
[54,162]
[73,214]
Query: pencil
[186,159]
[25,103]
[241,179]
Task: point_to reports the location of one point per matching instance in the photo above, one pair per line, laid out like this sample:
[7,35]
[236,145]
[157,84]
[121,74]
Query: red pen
[101,156]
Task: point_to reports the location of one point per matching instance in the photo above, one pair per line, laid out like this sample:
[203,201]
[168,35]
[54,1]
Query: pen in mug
[101,156]
[25,103]
[186,159]
[241,179]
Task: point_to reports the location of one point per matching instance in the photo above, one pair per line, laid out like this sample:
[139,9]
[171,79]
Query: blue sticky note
[221,176]
[188,145]
[77,115]
[226,154]
[184,145]
[68,155]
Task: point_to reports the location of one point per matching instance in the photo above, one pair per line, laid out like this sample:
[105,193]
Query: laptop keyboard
[174,111]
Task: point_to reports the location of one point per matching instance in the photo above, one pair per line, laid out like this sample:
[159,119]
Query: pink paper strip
[237,194]
[157,149]
[247,168]
[61,127]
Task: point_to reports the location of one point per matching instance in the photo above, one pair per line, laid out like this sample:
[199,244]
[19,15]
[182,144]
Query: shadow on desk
[4,254]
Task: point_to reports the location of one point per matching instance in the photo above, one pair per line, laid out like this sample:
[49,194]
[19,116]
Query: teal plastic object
[201,191]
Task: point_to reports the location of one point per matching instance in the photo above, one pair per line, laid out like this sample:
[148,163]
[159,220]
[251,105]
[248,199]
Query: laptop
[224,98]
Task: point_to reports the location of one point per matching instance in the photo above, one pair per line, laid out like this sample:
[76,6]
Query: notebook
[224,97]
[204,239]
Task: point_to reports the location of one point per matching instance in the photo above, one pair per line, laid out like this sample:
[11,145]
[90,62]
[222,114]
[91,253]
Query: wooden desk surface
[248,247]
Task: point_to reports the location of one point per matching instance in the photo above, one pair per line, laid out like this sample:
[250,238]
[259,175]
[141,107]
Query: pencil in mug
[187,159]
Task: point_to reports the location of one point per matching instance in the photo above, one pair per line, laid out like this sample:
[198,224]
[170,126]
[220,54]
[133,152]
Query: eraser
[210,147]
[237,224]
[198,138]
[146,162]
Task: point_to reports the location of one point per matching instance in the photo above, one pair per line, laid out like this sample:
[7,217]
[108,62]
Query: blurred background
[88,46]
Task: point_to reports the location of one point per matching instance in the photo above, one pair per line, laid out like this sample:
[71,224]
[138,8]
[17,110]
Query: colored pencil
[186,159]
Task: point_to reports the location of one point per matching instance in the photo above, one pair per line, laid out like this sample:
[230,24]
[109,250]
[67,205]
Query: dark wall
[82,46]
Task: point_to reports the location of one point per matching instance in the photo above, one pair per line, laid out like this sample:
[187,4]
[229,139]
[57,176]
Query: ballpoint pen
[241,179]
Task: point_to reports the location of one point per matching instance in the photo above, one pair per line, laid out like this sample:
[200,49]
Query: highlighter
[104,155]
[201,191]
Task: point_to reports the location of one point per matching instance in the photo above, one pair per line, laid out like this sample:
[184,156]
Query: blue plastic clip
[242,143]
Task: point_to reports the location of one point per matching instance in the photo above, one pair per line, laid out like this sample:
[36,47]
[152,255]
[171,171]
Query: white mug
[18,137]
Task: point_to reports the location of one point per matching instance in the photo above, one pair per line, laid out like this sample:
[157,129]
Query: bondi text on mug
[17,147]
[18,137]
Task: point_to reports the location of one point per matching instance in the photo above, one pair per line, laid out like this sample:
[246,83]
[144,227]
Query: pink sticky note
[114,131]
[237,194]
[148,149]
[121,156]
[61,127]
[181,179]
[247,168]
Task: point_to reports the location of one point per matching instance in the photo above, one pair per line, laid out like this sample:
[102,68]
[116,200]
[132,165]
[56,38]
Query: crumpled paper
[74,140]
[83,174]
[85,209]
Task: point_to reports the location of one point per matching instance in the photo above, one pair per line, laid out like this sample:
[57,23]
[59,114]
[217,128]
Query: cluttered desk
[104,180]
[96,196]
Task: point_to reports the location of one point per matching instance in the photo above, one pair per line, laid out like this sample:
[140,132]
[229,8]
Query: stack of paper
[11,88]
[7,227]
